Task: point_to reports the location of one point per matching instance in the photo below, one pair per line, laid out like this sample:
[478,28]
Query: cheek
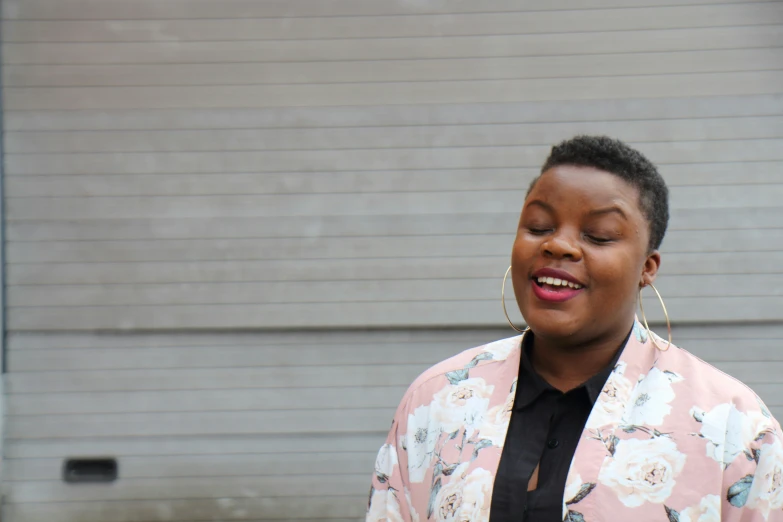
[523,254]
[522,257]
[523,248]
[519,266]
[617,273]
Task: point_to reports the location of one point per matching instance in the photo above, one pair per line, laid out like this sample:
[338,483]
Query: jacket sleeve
[389,494]
[753,484]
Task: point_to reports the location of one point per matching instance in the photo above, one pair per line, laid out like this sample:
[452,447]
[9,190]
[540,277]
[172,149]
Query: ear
[650,268]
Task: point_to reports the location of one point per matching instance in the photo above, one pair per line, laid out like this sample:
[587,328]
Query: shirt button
[552,443]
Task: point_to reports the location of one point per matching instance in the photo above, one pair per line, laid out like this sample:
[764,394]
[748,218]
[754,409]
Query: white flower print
[575,491]
[385,462]
[477,496]
[643,470]
[384,507]
[766,492]
[419,441]
[573,485]
[496,422]
[758,425]
[466,498]
[650,399]
[500,350]
[708,510]
[728,431]
[611,403]
[461,405]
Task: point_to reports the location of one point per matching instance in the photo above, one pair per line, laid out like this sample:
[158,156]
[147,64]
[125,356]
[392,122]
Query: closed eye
[598,240]
[539,231]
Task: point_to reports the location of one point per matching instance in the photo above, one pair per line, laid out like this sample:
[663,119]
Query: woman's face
[581,255]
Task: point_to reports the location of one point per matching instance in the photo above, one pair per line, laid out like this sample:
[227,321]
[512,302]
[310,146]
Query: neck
[566,366]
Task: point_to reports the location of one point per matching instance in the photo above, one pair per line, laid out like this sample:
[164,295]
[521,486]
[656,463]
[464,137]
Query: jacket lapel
[615,403]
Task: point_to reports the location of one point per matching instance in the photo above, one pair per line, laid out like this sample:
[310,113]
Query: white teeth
[558,282]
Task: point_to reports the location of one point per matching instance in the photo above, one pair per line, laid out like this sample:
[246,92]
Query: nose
[561,246]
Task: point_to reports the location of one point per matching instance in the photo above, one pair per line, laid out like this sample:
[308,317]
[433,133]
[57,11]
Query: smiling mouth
[554,290]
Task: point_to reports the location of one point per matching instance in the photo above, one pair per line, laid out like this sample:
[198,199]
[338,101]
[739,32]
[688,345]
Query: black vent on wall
[90,470]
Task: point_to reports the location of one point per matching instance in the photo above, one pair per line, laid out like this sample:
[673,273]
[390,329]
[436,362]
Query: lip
[555,296]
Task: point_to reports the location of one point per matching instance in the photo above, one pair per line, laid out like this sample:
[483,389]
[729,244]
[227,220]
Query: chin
[553,323]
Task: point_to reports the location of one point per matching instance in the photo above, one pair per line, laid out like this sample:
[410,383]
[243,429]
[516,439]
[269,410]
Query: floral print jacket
[670,438]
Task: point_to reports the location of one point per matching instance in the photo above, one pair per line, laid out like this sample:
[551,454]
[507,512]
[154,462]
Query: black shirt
[544,430]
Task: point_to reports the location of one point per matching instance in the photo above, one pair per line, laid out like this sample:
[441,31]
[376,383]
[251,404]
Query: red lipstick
[554,285]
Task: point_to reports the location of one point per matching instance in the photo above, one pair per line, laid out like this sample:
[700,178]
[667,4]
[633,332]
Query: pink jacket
[670,438]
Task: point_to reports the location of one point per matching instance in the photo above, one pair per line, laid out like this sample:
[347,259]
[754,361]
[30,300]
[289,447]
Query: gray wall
[202,195]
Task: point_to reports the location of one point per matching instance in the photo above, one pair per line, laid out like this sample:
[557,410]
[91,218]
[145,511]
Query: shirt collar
[531,385]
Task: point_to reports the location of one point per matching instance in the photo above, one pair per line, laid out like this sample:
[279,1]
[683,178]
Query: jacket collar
[531,385]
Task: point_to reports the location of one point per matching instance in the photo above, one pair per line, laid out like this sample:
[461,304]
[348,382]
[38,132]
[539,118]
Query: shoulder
[459,368]
[711,385]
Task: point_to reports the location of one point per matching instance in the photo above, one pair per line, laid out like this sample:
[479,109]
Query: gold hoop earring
[503,302]
[665,313]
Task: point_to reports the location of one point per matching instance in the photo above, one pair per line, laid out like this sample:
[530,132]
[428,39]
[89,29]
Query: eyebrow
[596,212]
[609,210]
[539,203]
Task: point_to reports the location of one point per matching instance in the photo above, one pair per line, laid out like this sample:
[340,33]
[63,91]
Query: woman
[587,416]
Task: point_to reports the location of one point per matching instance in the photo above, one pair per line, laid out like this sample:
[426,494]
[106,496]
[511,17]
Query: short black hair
[614,156]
